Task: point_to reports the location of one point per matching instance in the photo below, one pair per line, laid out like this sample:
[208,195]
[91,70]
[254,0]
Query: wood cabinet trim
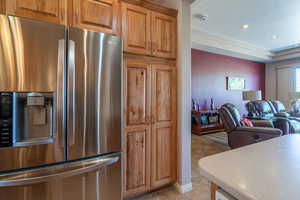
[150,60]
[2,6]
[154,7]
[76,16]
[12,8]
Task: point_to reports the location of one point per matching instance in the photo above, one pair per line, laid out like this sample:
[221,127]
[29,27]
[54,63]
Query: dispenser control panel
[6,118]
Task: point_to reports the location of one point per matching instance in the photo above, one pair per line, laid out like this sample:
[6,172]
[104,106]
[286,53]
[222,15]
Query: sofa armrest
[242,136]
[284,115]
[258,130]
[295,114]
[262,123]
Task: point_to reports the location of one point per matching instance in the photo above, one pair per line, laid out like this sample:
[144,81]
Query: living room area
[245,66]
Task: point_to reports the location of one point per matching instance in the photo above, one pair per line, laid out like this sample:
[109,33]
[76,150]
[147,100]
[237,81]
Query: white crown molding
[218,44]
[195,2]
[183,188]
[286,54]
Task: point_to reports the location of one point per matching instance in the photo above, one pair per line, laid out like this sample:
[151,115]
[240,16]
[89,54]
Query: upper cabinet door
[45,10]
[97,15]
[136,29]
[164,35]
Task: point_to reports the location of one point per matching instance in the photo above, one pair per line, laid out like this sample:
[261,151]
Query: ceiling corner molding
[218,44]
[286,54]
[195,2]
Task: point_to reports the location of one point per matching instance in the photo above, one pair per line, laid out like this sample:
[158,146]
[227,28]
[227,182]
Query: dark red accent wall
[209,72]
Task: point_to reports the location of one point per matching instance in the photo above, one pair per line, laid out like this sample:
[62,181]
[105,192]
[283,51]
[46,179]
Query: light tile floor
[201,147]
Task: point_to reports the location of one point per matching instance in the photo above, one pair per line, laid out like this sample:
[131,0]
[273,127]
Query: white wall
[184,183]
[271,76]
[184,95]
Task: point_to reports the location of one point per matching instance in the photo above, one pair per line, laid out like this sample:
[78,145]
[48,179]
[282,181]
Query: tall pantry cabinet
[150,43]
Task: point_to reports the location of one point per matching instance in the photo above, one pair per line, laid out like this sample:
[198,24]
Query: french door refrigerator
[60,112]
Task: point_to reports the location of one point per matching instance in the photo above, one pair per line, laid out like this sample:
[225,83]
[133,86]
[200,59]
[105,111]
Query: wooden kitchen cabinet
[137,93]
[163,143]
[148,32]
[136,29]
[163,35]
[137,161]
[137,99]
[45,10]
[150,124]
[97,15]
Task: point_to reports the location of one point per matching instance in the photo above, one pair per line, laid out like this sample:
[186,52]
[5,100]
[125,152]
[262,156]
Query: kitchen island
[269,170]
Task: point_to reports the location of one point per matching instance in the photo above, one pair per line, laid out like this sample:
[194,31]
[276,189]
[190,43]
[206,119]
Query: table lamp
[294,95]
[252,95]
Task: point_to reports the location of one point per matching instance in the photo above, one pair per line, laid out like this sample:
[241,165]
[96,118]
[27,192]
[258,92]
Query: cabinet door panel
[44,10]
[163,146]
[164,35]
[137,93]
[29,4]
[98,15]
[136,23]
[137,163]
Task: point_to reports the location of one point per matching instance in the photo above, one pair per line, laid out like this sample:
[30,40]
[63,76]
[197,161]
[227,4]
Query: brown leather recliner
[239,135]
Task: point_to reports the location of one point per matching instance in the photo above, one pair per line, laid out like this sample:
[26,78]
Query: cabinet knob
[149,46]
[147,120]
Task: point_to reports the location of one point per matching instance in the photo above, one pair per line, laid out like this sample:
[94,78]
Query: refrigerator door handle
[60,122]
[71,92]
[47,174]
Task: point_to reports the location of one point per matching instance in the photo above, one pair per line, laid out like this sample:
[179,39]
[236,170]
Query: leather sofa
[280,109]
[275,112]
[239,135]
[295,108]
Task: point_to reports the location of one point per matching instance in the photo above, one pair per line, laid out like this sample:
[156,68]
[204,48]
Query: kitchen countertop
[268,170]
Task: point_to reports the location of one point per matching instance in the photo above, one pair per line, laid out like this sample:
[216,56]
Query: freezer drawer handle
[43,175]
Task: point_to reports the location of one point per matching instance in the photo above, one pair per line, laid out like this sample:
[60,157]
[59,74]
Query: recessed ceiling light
[275,37]
[245,26]
[201,17]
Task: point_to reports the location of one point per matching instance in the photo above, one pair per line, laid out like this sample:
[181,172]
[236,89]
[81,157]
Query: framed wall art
[235,83]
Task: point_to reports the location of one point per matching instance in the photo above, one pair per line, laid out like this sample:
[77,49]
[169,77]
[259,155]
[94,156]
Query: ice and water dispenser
[26,118]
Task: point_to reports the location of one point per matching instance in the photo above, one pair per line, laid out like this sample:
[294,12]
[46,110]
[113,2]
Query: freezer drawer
[93,179]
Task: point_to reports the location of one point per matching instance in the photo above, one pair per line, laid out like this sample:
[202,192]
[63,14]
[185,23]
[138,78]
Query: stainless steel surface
[95,181]
[71,93]
[47,174]
[29,54]
[94,93]
[33,118]
[32,59]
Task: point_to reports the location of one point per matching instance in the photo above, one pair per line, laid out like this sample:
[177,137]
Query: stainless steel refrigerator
[60,112]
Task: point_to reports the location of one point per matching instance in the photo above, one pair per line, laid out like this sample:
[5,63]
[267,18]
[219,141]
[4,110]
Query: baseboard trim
[184,188]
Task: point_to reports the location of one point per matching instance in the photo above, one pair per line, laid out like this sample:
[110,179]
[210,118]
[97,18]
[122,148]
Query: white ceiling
[265,18]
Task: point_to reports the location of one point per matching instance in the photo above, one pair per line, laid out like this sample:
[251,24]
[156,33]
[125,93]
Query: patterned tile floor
[201,147]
